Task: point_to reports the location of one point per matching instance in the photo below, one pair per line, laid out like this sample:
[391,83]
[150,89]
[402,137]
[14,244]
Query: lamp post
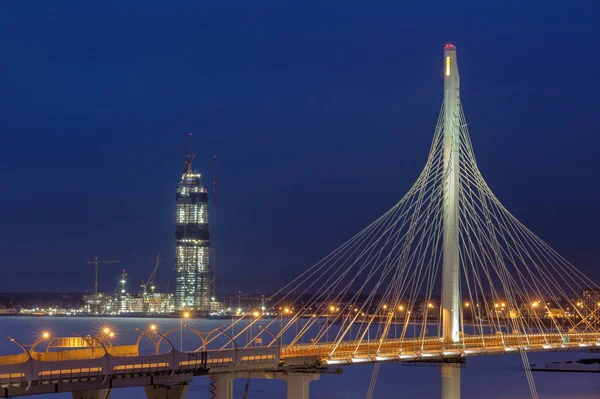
[184,316]
[152,329]
[27,353]
[106,335]
[44,337]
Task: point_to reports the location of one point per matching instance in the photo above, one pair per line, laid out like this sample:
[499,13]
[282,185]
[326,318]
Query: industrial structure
[94,300]
[192,248]
[123,303]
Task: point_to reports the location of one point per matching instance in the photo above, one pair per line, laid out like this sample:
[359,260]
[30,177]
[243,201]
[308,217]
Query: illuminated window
[447,66]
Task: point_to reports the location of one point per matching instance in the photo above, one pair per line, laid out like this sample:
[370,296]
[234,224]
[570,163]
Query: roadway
[122,366]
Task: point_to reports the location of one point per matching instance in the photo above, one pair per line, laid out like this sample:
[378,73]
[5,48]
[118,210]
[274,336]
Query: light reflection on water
[492,377]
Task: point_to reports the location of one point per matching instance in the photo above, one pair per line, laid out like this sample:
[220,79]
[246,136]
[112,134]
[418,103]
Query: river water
[491,377]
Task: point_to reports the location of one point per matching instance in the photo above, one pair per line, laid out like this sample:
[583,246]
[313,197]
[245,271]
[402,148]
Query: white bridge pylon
[448,261]
[450,306]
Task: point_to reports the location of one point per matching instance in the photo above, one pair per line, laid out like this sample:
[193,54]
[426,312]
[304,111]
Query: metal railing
[24,368]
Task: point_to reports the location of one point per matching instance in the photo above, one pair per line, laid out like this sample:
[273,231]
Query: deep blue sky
[320,113]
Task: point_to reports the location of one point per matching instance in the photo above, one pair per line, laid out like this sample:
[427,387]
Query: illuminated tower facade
[192,245]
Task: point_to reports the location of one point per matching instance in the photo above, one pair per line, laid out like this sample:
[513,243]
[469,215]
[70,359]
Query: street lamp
[531,313]
[184,316]
[44,336]
[106,332]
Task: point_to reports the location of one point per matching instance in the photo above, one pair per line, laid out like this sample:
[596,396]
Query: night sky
[320,113]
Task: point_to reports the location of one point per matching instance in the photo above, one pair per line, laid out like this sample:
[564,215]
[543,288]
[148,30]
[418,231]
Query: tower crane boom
[96,262]
[150,281]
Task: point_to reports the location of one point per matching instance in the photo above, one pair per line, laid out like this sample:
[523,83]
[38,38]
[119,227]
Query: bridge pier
[450,381]
[221,386]
[176,391]
[298,384]
[103,393]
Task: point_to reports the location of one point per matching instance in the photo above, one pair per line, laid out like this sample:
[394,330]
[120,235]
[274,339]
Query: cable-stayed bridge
[447,273]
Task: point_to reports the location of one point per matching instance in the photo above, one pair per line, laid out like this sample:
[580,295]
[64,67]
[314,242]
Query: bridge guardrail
[34,370]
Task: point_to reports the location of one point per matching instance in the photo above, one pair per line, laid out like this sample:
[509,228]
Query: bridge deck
[416,349]
[21,375]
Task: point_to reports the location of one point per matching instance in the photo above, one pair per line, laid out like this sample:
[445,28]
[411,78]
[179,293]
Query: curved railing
[73,365]
[99,361]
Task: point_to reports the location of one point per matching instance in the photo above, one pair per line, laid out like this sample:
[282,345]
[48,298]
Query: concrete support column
[221,386]
[450,381]
[92,394]
[178,391]
[297,384]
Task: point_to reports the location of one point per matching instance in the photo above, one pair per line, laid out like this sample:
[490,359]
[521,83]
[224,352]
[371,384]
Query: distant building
[590,297]
[192,258]
[126,304]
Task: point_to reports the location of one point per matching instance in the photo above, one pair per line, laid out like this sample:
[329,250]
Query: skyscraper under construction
[192,258]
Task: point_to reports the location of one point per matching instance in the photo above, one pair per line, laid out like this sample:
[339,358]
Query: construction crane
[96,262]
[149,283]
[214,230]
